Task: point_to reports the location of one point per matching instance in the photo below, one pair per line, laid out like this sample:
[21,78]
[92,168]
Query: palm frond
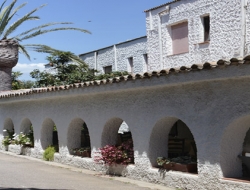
[4,15]
[40,48]
[39,32]
[14,26]
[23,51]
[40,27]
[47,49]
[2,5]
[16,10]
[20,21]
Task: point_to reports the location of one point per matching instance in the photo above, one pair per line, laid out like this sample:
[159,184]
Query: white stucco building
[186,32]
[130,56]
[198,96]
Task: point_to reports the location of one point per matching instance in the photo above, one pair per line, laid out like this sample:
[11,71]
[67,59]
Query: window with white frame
[107,69]
[180,38]
[131,65]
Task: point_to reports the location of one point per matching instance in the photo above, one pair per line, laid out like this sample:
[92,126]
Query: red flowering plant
[112,155]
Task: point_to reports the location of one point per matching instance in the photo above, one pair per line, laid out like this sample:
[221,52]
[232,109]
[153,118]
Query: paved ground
[25,173]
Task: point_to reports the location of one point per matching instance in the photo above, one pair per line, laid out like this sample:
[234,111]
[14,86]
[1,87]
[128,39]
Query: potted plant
[23,140]
[182,163]
[7,140]
[83,152]
[113,155]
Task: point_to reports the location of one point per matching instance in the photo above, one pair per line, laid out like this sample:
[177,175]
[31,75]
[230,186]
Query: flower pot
[190,168]
[6,148]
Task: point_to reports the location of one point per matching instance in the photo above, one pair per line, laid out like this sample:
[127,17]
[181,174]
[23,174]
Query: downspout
[244,28]
[160,41]
[115,53]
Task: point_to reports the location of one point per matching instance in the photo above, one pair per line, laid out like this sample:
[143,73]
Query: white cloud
[26,68]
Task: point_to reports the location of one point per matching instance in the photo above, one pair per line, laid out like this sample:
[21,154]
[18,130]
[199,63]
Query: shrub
[48,154]
[23,140]
[112,155]
[7,140]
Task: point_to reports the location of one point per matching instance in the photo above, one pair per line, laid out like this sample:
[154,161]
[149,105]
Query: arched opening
[117,138]
[8,133]
[8,128]
[26,129]
[172,146]
[49,135]
[235,149]
[78,141]
[245,157]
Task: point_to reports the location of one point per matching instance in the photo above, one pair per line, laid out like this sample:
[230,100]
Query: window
[107,69]
[180,38]
[130,65]
[206,27]
[145,56]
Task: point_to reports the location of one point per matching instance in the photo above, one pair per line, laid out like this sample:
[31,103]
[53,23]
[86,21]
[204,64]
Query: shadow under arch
[27,129]
[232,145]
[174,130]
[110,131]
[25,126]
[8,125]
[78,135]
[47,134]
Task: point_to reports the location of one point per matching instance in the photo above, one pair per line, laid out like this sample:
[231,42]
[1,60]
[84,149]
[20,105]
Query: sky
[109,21]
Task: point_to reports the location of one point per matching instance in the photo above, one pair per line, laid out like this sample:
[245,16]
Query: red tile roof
[195,67]
[161,5]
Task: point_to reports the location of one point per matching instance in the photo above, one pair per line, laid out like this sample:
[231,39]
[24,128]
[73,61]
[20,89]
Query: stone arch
[109,134]
[48,135]
[27,129]
[232,146]
[8,125]
[78,135]
[25,126]
[116,132]
[110,131]
[165,130]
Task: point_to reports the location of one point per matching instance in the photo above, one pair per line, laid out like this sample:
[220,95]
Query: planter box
[84,154]
[190,168]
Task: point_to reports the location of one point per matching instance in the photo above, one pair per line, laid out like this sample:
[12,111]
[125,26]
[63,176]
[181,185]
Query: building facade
[186,32]
[130,56]
[205,106]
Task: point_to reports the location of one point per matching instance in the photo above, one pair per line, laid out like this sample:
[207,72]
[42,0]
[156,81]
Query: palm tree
[10,46]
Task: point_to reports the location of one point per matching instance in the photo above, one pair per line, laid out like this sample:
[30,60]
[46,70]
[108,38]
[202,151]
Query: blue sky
[109,21]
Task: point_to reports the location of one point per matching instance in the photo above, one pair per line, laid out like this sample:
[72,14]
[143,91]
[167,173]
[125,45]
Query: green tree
[18,84]
[12,45]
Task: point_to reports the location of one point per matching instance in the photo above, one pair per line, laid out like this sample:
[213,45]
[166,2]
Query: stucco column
[8,59]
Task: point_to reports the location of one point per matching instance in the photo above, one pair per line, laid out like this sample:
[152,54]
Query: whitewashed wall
[136,49]
[214,104]
[117,56]
[225,32]
[89,59]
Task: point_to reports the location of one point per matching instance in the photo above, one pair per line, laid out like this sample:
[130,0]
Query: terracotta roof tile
[173,1]
[195,67]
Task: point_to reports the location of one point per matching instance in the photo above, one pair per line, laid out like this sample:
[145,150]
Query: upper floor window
[107,69]
[130,65]
[180,38]
[206,28]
